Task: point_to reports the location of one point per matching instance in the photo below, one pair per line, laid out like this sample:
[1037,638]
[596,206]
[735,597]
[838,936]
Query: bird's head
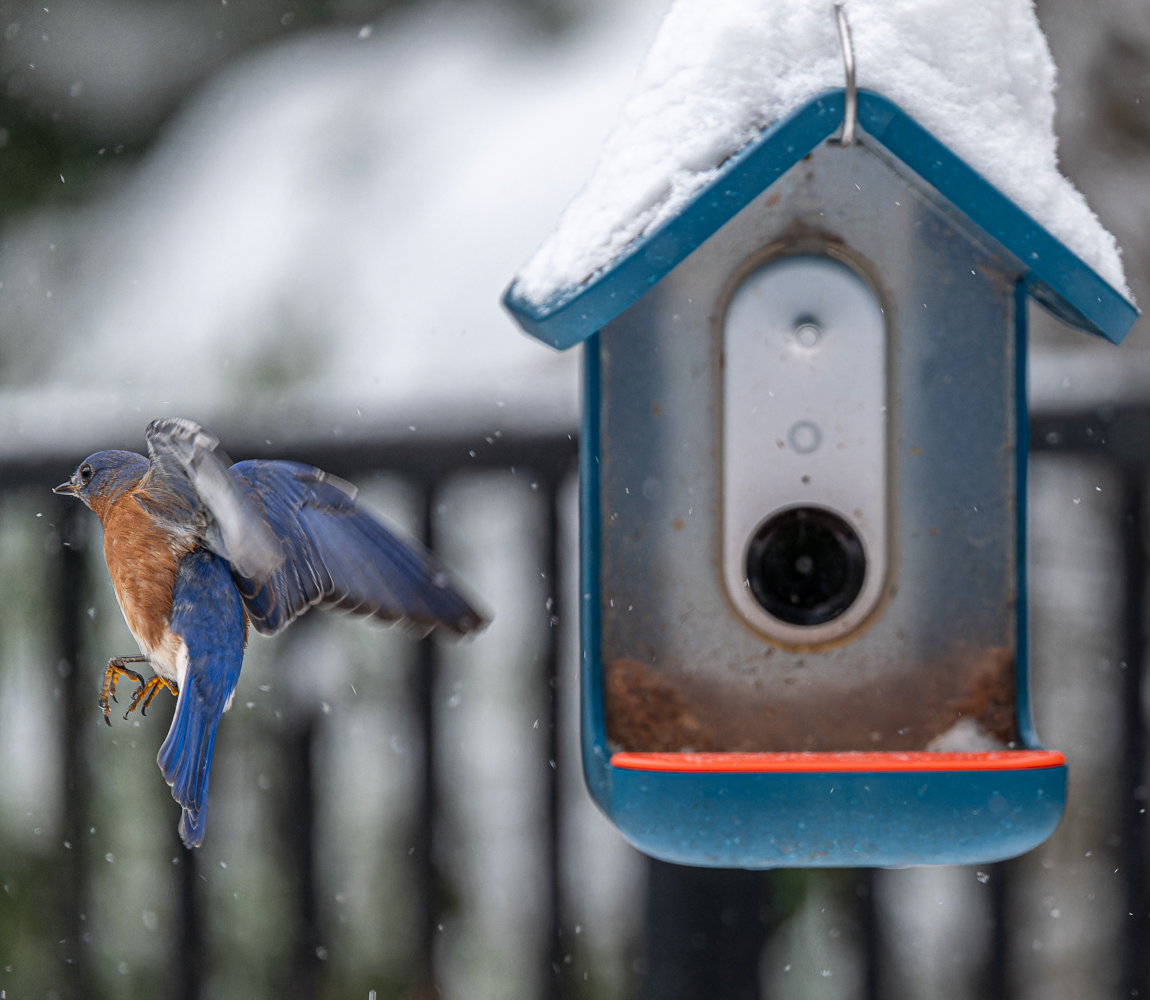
[103,476]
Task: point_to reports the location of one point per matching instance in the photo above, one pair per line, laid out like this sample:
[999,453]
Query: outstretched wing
[208,618]
[338,554]
[182,449]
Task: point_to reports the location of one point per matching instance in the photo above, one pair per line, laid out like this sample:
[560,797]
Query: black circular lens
[805,566]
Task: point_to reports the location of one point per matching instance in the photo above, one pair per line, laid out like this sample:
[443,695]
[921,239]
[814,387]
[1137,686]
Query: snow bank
[316,247]
[978,75]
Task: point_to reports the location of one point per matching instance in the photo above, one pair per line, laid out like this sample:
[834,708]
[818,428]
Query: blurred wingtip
[461,613]
[469,623]
[245,538]
[459,629]
[473,622]
[346,488]
[182,436]
[461,623]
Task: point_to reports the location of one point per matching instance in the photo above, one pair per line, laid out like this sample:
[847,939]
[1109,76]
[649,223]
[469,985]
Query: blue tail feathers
[207,616]
[186,756]
[192,826]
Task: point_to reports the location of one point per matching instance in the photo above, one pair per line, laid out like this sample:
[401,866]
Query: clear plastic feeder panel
[807,481]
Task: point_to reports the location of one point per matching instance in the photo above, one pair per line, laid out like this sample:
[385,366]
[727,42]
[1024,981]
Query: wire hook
[850,105]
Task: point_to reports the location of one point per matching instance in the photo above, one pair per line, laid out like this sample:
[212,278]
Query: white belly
[168,657]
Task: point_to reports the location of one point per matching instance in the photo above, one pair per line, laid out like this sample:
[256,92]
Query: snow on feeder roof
[734,92]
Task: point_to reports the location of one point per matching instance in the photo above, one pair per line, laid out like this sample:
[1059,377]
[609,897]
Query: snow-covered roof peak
[979,76]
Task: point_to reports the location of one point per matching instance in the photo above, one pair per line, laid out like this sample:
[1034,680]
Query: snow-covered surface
[317,247]
[965,736]
[978,75]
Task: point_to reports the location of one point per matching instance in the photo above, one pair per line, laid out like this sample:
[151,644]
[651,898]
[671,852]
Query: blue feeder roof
[1055,276]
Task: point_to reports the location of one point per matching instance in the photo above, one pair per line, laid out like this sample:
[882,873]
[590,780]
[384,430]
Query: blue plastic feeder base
[835,820]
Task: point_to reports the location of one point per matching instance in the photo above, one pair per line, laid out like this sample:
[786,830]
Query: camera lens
[805,566]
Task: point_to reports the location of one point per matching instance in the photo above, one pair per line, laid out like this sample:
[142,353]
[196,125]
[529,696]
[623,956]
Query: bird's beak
[65,489]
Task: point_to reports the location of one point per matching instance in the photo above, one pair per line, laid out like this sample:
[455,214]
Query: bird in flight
[198,548]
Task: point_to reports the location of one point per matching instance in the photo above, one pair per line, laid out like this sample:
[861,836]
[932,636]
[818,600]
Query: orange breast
[142,564]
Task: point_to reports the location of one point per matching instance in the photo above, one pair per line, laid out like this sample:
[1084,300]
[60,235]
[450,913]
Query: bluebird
[197,549]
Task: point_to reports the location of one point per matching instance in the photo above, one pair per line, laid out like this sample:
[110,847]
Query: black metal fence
[708,933]
[1121,439]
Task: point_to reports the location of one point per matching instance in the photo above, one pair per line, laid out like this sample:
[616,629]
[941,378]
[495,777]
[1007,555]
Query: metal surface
[705,933]
[424,679]
[1136,962]
[850,109]
[804,423]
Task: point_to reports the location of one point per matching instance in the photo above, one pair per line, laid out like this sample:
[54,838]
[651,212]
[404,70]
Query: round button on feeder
[805,437]
[808,335]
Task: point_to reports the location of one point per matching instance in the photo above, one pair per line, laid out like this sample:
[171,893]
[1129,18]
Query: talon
[116,667]
[146,692]
[163,682]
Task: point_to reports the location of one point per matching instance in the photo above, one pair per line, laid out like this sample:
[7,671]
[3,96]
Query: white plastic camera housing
[804,488]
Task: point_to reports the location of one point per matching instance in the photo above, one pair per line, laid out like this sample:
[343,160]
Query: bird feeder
[803,479]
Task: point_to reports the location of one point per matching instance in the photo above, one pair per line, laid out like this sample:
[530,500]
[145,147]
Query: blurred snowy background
[292,222]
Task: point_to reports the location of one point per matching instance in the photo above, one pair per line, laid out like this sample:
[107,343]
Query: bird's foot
[149,688]
[116,666]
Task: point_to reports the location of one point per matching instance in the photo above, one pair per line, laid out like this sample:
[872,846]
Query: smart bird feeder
[803,479]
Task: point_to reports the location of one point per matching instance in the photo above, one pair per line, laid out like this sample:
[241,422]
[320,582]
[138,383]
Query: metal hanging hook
[851,103]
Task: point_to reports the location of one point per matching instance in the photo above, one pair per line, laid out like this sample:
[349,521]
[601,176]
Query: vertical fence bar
[997,985]
[869,938]
[71,877]
[705,933]
[299,827]
[1124,439]
[1133,847]
[427,871]
[558,952]
[190,955]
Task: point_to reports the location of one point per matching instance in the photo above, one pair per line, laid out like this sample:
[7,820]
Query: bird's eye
[85,473]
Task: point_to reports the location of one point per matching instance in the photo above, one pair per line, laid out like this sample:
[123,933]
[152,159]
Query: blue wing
[338,554]
[208,617]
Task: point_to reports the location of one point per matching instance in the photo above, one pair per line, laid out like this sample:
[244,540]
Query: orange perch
[920,760]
